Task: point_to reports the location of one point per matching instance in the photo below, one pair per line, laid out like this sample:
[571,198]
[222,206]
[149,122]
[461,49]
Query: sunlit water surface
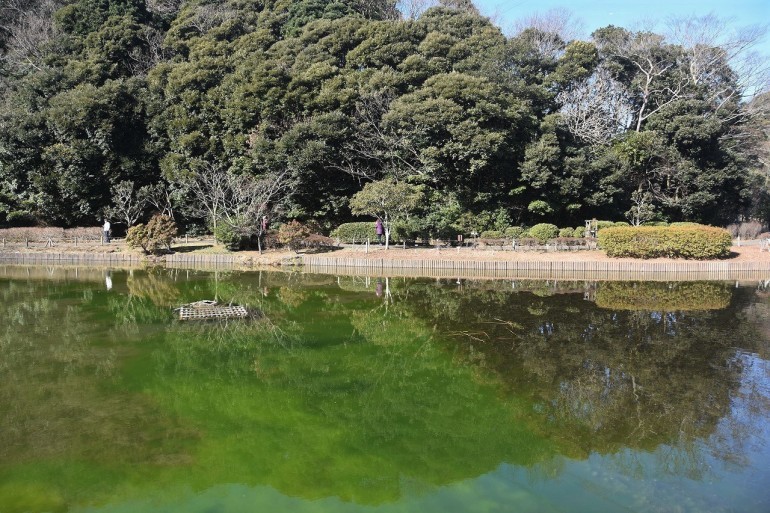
[391,395]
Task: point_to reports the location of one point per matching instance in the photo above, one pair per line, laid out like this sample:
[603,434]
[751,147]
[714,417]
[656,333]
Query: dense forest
[225,109]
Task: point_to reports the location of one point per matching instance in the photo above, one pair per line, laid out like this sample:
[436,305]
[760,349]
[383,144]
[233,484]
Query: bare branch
[127,205]
[716,52]
[374,153]
[240,201]
[559,21]
[164,7]
[412,9]
[29,29]
[597,109]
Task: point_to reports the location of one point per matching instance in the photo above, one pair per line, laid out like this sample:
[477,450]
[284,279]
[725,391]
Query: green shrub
[354,233]
[514,232]
[540,207]
[492,234]
[566,232]
[655,223]
[230,237]
[544,232]
[691,242]
[408,230]
[620,223]
[580,231]
[600,225]
[153,237]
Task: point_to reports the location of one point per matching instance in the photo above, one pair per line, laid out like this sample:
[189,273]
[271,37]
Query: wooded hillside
[302,102]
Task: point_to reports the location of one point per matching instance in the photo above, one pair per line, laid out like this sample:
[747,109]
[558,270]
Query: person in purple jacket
[379,229]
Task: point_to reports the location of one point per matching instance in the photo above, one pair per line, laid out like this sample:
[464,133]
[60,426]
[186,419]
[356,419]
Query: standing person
[265,224]
[379,229]
[106,230]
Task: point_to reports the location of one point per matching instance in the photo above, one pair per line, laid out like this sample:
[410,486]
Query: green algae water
[380,395]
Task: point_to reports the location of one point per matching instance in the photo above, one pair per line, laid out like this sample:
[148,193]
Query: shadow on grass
[190,249]
[321,250]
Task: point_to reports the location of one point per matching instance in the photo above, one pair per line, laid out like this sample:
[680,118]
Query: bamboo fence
[71,258]
[565,270]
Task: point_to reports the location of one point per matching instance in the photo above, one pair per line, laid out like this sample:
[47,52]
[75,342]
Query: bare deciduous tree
[596,109]
[240,201]
[374,152]
[715,50]
[164,7]
[660,80]
[379,9]
[29,26]
[642,208]
[412,9]
[128,204]
[559,21]
[159,196]
[149,54]
[207,188]
[208,16]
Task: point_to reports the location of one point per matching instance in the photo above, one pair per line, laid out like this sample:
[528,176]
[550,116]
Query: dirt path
[744,253]
[738,254]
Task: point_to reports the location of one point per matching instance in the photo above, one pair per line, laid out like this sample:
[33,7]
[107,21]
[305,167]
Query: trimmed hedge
[514,232]
[690,242]
[354,233]
[544,232]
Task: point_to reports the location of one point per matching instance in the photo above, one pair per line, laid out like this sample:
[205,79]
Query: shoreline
[746,262]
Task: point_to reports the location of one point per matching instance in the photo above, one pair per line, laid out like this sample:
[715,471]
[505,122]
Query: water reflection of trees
[55,361]
[604,379]
[336,391]
[325,387]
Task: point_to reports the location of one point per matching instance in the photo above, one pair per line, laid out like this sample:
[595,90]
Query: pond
[349,394]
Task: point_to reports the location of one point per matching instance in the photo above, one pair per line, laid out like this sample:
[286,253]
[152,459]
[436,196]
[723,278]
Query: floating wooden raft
[203,310]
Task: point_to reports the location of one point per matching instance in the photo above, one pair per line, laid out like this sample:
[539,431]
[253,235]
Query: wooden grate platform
[204,310]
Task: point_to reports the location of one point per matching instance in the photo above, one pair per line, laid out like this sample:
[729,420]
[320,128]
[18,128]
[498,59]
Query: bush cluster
[691,242]
[544,232]
[293,234]
[354,233]
[231,237]
[155,236]
[514,232]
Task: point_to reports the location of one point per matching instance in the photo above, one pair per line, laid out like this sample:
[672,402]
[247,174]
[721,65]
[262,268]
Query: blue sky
[626,13]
